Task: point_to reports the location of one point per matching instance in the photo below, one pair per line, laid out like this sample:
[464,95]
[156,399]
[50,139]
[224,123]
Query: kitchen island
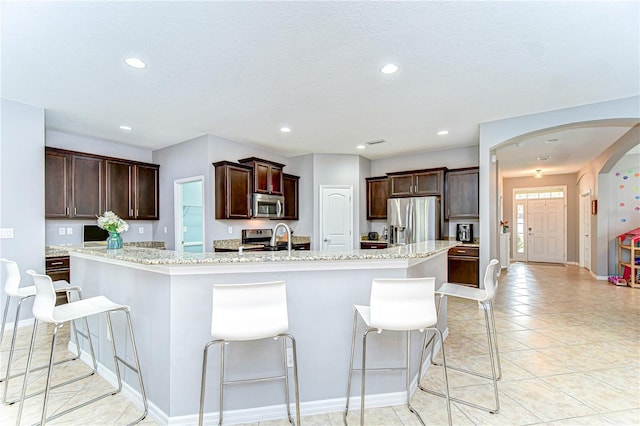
[170,297]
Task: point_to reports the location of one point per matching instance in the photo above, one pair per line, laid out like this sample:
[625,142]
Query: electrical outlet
[6,232]
[289,357]
[62,231]
[165,229]
[141,230]
[69,231]
[230,230]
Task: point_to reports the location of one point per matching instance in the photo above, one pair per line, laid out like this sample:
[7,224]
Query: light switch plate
[69,231]
[62,231]
[6,232]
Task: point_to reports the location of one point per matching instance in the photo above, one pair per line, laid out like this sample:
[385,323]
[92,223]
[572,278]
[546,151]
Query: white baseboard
[253,415]
[22,323]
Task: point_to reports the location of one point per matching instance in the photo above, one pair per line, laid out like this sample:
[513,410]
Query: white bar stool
[397,304]
[13,290]
[485,297]
[45,310]
[245,312]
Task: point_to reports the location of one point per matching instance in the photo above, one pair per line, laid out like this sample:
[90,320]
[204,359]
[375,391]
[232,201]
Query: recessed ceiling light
[543,157]
[443,132]
[360,147]
[285,129]
[135,63]
[126,128]
[389,69]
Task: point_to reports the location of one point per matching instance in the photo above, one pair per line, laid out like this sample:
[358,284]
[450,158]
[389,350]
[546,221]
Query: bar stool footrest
[461,401]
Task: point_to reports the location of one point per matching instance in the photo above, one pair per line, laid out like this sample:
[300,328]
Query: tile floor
[570,348]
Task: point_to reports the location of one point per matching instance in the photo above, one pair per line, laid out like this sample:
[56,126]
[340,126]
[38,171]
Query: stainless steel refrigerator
[413,220]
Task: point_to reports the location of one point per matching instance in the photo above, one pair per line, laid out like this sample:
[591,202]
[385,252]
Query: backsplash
[57,231]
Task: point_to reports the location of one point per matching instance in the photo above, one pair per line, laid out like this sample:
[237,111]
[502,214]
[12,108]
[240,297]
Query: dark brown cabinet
[81,186]
[365,245]
[267,175]
[461,200]
[58,269]
[132,189]
[377,195]
[464,265]
[233,188]
[416,183]
[73,185]
[290,192]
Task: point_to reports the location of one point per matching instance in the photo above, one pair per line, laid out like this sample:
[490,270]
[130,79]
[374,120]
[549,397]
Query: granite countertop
[148,256]
[235,244]
[57,251]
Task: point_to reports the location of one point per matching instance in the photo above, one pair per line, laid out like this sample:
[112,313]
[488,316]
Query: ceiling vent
[376,142]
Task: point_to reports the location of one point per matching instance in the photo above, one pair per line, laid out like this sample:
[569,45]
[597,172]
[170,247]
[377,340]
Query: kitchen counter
[170,298]
[57,251]
[148,256]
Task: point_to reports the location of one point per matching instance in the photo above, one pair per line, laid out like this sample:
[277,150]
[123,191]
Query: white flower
[109,221]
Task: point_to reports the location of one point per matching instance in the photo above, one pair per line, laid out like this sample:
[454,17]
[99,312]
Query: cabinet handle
[137,212]
[56,263]
[66,211]
[131,212]
[75,211]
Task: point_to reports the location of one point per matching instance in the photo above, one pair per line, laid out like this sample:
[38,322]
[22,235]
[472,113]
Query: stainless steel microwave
[269,206]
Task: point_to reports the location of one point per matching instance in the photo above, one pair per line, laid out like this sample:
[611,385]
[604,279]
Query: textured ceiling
[242,70]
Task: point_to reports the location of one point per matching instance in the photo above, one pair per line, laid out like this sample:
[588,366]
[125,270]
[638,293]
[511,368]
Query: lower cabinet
[464,266]
[58,269]
[373,245]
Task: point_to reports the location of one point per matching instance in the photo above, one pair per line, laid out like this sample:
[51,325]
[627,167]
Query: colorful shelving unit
[629,241]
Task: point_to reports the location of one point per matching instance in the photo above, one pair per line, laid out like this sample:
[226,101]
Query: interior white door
[586,231]
[546,233]
[336,218]
[189,215]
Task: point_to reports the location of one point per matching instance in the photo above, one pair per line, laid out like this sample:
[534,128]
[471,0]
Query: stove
[257,236]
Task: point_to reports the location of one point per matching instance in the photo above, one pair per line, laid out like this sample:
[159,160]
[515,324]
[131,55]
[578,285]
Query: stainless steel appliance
[464,232]
[413,220]
[269,206]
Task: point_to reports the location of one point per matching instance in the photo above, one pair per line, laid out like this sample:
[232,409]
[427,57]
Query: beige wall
[568,180]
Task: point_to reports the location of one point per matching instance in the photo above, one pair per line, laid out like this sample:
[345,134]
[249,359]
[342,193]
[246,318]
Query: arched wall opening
[495,134]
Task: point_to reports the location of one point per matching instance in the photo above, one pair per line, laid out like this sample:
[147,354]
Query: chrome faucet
[275,232]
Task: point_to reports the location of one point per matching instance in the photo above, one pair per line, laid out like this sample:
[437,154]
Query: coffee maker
[464,232]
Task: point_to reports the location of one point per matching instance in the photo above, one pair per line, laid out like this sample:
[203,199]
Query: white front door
[336,218]
[545,233]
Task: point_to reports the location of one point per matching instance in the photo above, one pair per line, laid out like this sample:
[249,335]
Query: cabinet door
[290,193]
[462,194]
[119,182]
[86,186]
[233,191]
[401,185]
[428,183]
[261,178]
[377,194]
[276,181]
[56,187]
[146,192]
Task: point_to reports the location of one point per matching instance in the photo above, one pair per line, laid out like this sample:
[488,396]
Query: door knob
[326,240]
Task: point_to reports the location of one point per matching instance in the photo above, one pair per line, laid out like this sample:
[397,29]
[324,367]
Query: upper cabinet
[81,186]
[416,183]
[462,194]
[132,189]
[377,195]
[290,186]
[267,175]
[233,188]
[73,185]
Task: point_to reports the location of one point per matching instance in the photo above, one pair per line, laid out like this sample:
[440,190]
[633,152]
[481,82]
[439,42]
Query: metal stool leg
[4,321]
[353,347]
[286,380]
[295,377]
[7,375]
[495,339]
